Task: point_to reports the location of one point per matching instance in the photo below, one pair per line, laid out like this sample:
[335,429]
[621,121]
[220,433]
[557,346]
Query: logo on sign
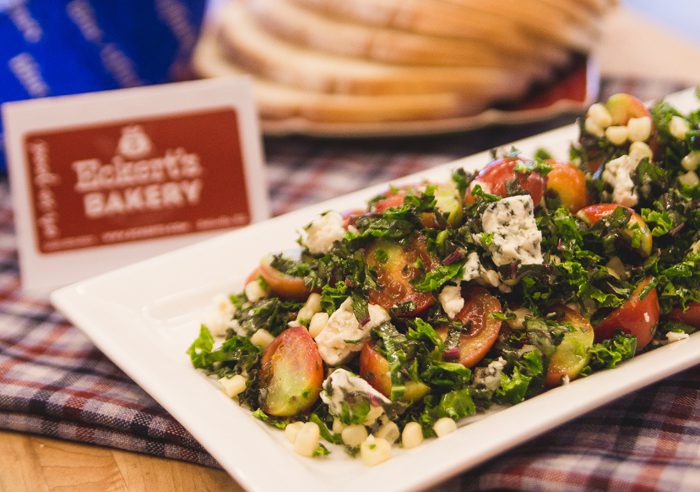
[135,180]
[134,143]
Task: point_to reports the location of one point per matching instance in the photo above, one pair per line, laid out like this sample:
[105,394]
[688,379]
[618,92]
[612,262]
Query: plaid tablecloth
[54,382]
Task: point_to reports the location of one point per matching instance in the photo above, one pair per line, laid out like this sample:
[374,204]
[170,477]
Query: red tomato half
[636,316]
[691,316]
[280,283]
[593,213]
[502,171]
[374,369]
[484,329]
[291,373]
[396,273]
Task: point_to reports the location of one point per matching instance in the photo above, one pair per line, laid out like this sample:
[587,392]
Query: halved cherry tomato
[569,183]
[572,354]
[396,272]
[280,283]
[594,213]
[351,216]
[291,373]
[691,315]
[636,316]
[483,328]
[255,274]
[374,369]
[502,171]
[394,198]
[623,107]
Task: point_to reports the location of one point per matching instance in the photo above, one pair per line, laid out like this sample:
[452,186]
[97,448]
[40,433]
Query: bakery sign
[121,186]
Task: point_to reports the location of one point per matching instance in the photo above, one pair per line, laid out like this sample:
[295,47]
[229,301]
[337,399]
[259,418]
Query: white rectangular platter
[144,317]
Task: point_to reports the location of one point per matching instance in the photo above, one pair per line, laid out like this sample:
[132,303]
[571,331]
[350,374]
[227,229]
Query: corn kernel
[591,127]
[678,127]
[307,439]
[354,435]
[639,129]
[412,435]
[389,431]
[291,431]
[444,426]
[600,115]
[691,161]
[262,338]
[233,386]
[311,307]
[375,450]
[617,135]
[317,324]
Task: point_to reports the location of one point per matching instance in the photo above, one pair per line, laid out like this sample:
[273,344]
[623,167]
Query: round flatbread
[317,31]
[279,102]
[538,26]
[270,57]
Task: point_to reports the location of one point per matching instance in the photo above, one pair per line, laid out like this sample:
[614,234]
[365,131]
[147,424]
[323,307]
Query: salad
[391,324]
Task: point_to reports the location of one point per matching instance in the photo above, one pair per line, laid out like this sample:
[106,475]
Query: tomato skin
[291,373]
[569,183]
[374,369]
[392,200]
[499,172]
[691,316]
[395,275]
[573,353]
[623,107]
[593,213]
[484,330]
[254,275]
[636,316]
[281,284]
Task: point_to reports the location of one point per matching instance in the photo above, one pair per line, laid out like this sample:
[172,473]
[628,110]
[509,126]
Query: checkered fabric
[54,382]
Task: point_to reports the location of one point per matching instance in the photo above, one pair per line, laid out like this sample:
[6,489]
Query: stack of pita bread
[369,61]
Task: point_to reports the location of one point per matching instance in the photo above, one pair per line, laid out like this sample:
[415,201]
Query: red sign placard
[137,179]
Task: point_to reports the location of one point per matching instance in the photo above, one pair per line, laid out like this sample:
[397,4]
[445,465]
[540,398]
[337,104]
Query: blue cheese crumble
[347,395]
[343,335]
[323,232]
[618,174]
[489,377]
[511,222]
[451,300]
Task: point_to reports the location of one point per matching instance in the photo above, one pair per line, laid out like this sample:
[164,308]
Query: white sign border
[43,272]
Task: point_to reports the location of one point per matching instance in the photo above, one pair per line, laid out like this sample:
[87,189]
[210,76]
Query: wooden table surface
[37,463]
